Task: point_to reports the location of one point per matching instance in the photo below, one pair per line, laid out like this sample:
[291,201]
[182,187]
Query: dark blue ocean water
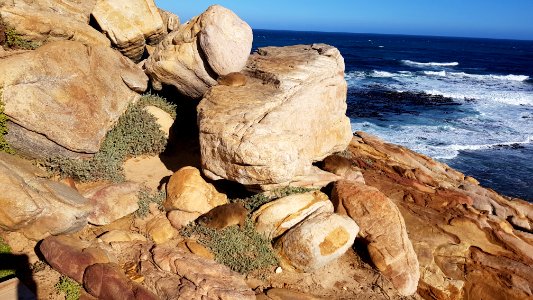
[466,102]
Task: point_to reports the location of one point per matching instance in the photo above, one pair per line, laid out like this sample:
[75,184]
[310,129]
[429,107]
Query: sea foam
[429,64]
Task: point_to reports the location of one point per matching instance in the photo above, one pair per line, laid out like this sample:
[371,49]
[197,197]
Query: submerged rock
[316,241]
[215,43]
[383,228]
[130,25]
[35,206]
[290,113]
[65,85]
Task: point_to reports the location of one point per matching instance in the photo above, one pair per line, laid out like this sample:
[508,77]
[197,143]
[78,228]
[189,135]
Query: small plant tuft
[146,198]
[243,250]
[4,146]
[136,133]
[158,101]
[13,40]
[254,202]
[69,287]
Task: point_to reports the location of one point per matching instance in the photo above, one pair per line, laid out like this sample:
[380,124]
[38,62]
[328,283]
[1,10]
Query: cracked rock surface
[291,113]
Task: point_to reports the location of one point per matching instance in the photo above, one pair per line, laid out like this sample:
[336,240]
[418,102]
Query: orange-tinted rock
[383,227]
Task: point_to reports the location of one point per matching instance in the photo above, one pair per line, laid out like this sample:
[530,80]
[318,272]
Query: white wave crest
[429,64]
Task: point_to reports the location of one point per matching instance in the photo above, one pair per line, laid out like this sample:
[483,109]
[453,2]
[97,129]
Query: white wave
[429,64]
[381,74]
[435,73]
[509,77]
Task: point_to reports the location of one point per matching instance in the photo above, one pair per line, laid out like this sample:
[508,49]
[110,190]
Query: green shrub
[4,146]
[136,133]
[146,198]
[158,101]
[69,287]
[4,249]
[13,40]
[243,250]
[254,202]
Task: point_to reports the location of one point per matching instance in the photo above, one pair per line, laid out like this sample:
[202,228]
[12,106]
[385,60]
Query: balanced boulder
[383,227]
[35,206]
[130,25]
[316,242]
[66,85]
[215,43]
[290,113]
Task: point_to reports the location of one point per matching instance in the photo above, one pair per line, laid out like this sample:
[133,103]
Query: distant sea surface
[463,101]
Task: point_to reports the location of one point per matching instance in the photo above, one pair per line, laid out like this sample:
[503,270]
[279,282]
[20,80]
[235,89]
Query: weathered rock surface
[130,25]
[471,243]
[163,119]
[161,230]
[275,218]
[317,241]
[383,228]
[215,43]
[73,9]
[290,113]
[170,20]
[194,277]
[187,191]
[35,206]
[41,24]
[112,202]
[284,294]
[180,218]
[121,236]
[71,256]
[107,281]
[62,85]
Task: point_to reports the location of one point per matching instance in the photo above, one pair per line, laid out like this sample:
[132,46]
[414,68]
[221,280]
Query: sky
[509,19]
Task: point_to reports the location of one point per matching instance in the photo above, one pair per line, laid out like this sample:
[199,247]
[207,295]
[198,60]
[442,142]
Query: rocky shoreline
[238,178]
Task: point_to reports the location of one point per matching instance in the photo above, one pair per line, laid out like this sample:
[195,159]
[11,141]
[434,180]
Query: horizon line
[400,34]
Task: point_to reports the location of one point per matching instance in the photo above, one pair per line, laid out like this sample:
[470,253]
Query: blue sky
[471,18]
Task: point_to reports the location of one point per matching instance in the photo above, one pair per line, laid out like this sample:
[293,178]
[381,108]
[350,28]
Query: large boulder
[275,218]
[35,206]
[383,228]
[41,23]
[73,9]
[290,113]
[71,256]
[316,242]
[130,25]
[187,191]
[215,43]
[66,84]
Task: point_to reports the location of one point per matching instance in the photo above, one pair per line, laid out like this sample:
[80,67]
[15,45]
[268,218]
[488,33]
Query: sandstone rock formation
[130,25]
[290,114]
[187,191]
[72,9]
[63,85]
[160,230]
[471,243]
[112,202]
[275,218]
[170,20]
[71,256]
[107,281]
[215,43]
[35,206]
[383,228]
[180,218]
[316,241]
[38,24]
[121,236]
[195,277]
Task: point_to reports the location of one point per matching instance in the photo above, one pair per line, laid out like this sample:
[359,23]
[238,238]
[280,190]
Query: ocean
[463,101]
